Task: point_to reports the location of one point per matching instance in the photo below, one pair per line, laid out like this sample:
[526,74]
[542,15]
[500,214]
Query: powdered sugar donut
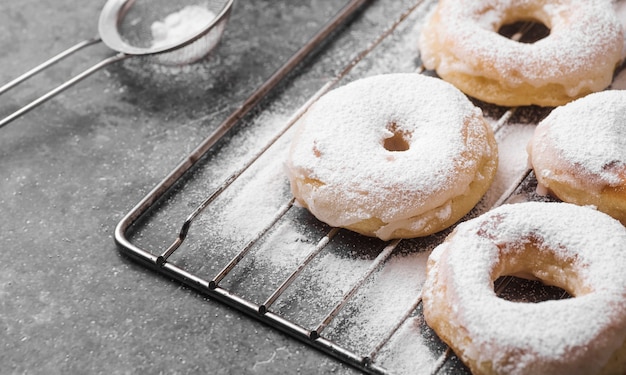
[573,247]
[392,156]
[578,152]
[461,41]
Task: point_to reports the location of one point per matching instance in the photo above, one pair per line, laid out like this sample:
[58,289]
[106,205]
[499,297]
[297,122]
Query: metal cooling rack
[298,299]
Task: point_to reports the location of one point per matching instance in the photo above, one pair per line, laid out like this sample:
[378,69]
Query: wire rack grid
[239,238]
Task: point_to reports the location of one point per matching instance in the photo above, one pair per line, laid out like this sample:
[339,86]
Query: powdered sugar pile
[180,26]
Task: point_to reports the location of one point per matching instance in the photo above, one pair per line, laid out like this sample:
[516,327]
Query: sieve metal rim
[114,10]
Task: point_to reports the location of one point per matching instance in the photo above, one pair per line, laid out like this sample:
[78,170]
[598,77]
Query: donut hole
[533,272]
[524,31]
[518,289]
[399,139]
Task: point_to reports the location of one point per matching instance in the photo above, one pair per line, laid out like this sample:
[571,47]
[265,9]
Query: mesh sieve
[125,26]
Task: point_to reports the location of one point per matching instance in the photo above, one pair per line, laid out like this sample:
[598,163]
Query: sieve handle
[51,61]
[54,92]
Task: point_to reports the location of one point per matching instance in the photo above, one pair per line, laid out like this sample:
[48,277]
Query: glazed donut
[576,248]
[460,41]
[392,156]
[578,152]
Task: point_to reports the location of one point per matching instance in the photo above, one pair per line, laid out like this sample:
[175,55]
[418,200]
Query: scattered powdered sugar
[579,58]
[257,193]
[385,298]
[588,135]
[289,248]
[409,351]
[340,142]
[576,335]
[389,295]
[512,160]
[180,26]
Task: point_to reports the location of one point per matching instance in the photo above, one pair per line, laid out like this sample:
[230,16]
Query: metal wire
[292,277]
[380,259]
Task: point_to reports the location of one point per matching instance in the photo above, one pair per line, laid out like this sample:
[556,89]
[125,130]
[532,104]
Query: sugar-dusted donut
[576,248]
[578,152]
[461,42]
[392,156]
